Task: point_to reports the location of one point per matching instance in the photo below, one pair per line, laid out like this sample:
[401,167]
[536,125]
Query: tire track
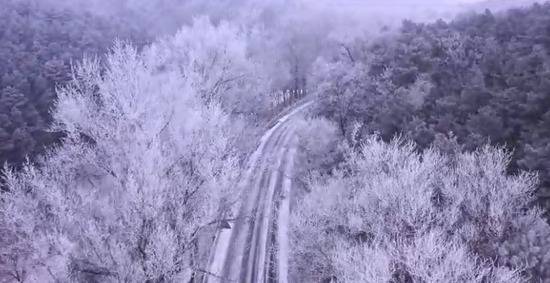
[237,258]
[257,265]
[245,253]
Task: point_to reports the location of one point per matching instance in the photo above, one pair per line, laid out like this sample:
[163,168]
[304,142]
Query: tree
[390,213]
[19,119]
[216,59]
[38,45]
[483,77]
[144,169]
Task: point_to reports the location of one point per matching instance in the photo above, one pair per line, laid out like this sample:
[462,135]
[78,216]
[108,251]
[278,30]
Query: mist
[166,16]
[282,141]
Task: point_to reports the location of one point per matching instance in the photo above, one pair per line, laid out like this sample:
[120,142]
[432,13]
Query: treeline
[38,42]
[480,78]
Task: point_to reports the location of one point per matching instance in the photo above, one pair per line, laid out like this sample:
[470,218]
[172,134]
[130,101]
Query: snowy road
[255,249]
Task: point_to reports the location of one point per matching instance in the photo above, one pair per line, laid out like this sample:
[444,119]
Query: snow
[224,237]
[284,219]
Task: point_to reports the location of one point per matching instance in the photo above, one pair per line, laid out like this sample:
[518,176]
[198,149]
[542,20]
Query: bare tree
[145,168]
[391,213]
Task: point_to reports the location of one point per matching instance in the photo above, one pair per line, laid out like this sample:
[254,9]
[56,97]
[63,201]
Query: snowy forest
[274,141]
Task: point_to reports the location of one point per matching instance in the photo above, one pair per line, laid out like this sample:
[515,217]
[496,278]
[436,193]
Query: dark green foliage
[38,43]
[489,77]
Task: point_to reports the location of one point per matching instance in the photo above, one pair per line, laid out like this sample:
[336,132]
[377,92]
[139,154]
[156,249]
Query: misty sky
[418,10]
[413,3]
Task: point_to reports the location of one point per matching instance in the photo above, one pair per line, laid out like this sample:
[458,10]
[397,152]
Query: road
[255,248]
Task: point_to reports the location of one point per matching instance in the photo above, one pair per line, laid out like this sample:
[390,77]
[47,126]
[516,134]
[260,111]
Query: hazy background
[168,15]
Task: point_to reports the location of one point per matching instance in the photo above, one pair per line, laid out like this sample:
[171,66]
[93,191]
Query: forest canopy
[38,44]
[481,78]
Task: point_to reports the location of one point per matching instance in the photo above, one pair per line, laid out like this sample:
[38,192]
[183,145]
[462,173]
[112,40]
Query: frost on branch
[217,61]
[393,214]
[145,168]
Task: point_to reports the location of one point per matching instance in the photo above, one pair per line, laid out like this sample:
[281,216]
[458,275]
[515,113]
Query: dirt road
[255,248]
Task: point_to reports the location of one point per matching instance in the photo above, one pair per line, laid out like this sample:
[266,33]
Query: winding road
[255,248]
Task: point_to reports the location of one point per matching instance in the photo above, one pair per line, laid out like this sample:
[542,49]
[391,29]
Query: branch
[200,270]
[348,51]
[220,82]
[166,124]
[217,221]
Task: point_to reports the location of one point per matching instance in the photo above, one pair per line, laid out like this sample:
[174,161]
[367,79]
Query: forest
[479,79]
[38,44]
[283,140]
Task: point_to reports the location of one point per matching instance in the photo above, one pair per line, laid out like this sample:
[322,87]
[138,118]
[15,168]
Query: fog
[291,33]
[166,16]
[274,140]
[298,30]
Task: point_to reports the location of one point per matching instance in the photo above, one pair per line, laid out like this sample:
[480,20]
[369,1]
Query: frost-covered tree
[216,58]
[319,140]
[145,168]
[483,77]
[38,43]
[393,214]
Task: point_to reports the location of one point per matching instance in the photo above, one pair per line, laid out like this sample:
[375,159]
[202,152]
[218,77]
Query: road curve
[255,248]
